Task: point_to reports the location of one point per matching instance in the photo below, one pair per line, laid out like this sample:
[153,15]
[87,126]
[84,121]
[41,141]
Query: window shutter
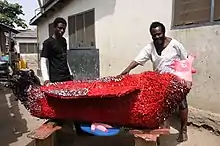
[72,31]
[217,10]
[191,11]
[81,29]
[50,29]
[90,29]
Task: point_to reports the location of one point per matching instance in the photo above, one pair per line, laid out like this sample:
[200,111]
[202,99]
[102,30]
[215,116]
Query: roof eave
[43,13]
[8,28]
[35,19]
[27,37]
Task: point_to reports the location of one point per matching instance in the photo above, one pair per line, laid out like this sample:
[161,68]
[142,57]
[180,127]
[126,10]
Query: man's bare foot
[182,136]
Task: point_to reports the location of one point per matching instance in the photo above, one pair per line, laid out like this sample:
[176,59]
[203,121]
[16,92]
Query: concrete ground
[16,123]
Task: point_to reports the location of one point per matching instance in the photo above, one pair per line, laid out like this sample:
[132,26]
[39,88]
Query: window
[188,12]
[50,29]
[82,30]
[217,10]
[27,48]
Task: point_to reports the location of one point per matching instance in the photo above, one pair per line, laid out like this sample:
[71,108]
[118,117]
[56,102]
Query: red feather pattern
[137,100]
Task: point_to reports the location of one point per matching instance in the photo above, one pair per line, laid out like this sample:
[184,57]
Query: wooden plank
[44,131]
[142,137]
[163,131]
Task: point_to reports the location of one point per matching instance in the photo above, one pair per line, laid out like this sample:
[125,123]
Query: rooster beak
[193,70]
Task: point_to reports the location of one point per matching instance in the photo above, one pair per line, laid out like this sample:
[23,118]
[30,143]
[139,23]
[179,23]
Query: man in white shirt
[162,51]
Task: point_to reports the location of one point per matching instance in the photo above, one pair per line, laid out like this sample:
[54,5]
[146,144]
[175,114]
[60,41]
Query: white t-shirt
[174,50]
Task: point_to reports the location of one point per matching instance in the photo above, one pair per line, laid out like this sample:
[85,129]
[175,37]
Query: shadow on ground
[70,139]
[14,129]
[31,143]
[12,124]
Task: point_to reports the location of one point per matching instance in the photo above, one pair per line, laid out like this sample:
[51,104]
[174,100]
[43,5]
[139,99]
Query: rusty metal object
[144,136]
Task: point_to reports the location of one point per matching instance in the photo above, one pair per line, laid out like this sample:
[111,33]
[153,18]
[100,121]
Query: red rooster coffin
[136,101]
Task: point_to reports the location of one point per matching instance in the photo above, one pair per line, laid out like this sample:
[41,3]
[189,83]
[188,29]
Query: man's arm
[131,66]
[182,52]
[44,69]
[44,62]
[141,59]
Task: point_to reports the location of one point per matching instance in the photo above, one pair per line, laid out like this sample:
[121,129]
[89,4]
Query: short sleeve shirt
[56,53]
[161,63]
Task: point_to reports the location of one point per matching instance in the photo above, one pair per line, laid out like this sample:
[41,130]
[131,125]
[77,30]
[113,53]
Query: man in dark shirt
[55,53]
[54,64]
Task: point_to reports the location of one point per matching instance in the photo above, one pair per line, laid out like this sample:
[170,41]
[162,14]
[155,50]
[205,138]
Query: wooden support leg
[158,141]
[148,137]
[49,141]
[143,142]
[45,134]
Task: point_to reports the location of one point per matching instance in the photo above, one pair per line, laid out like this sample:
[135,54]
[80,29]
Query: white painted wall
[121,27]
[204,42]
[122,30]
[32,59]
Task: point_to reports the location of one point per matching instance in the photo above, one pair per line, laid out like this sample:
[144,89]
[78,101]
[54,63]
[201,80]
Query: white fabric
[44,68]
[71,73]
[174,50]
[10,70]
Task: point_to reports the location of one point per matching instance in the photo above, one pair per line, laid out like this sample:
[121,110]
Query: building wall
[31,59]
[204,42]
[122,30]
[120,27]
[24,40]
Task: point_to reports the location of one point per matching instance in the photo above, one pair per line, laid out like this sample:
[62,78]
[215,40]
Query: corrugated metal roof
[27,34]
[8,28]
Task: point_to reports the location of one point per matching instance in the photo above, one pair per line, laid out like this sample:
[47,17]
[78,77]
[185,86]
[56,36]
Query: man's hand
[122,74]
[131,66]
[46,82]
[125,72]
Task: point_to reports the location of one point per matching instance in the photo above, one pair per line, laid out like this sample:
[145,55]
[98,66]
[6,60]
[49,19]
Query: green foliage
[10,14]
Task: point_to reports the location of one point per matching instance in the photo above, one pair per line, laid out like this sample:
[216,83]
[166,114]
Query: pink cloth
[183,68]
[100,126]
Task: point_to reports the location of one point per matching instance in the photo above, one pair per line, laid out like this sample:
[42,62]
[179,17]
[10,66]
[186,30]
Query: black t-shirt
[55,50]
